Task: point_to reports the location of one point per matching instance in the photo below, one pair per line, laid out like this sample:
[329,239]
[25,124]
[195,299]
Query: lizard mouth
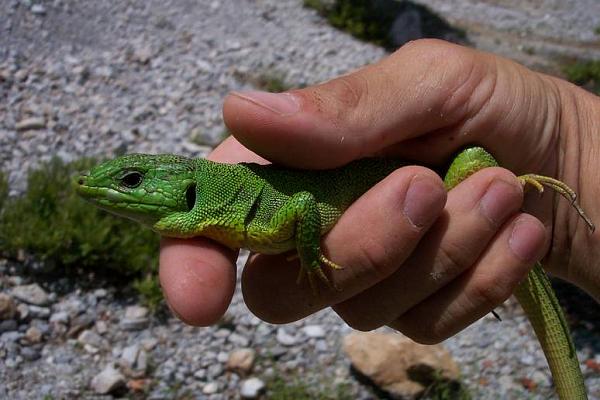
[100,195]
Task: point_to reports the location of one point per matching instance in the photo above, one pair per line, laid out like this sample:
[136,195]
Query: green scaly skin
[271,210]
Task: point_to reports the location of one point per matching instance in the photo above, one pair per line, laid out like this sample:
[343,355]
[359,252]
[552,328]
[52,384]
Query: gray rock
[30,353]
[314,331]
[8,325]
[101,327]
[91,338]
[79,323]
[39,312]
[238,340]
[61,317]
[11,336]
[38,9]
[149,343]
[321,346]
[285,338]
[31,294]
[222,357]
[130,355]
[251,388]
[107,381]
[200,374]
[215,370]
[136,318]
[141,363]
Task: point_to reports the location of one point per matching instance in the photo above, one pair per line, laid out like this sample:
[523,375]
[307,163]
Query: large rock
[398,365]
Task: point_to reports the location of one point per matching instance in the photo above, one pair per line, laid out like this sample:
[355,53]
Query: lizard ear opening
[190,196]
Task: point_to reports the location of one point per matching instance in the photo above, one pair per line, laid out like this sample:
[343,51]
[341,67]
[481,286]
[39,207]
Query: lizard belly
[267,244]
[256,241]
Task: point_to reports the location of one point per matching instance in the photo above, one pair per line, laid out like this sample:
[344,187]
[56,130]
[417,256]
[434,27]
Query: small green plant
[373,21]
[444,389]
[271,82]
[50,223]
[198,138]
[150,291]
[597,30]
[280,389]
[360,18]
[585,73]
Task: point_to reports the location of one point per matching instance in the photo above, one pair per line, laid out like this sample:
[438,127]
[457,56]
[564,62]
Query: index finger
[198,275]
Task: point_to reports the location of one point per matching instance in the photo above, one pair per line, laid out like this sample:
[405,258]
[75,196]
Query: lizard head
[142,187]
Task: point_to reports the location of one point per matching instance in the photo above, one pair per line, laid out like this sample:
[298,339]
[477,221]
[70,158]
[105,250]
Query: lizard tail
[545,315]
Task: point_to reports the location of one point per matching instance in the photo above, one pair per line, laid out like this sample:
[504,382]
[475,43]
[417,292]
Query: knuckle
[452,259]
[490,291]
[451,72]
[340,97]
[373,256]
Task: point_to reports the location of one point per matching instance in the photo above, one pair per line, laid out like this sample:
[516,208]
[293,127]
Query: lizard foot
[310,274]
[317,270]
[539,181]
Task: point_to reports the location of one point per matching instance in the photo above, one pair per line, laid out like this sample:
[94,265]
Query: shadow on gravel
[582,312]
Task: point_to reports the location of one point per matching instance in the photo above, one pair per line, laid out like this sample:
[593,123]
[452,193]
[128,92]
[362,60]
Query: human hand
[429,279]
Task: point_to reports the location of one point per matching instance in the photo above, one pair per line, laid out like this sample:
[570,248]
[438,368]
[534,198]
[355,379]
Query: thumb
[423,87]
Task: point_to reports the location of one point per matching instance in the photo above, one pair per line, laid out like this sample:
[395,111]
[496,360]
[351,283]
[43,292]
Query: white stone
[210,388]
[285,338]
[314,331]
[251,388]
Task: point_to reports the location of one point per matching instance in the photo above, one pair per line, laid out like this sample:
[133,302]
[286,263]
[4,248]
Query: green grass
[584,73]
[357,17]
[372,21]
[271,82]
[52,225]
[149,290]
[444,389]
[279,388]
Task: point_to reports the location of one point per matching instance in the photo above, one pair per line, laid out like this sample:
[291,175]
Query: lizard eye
[132,179]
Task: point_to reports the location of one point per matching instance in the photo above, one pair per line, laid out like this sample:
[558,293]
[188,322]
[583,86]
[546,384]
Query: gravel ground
[84,78]
[539,33]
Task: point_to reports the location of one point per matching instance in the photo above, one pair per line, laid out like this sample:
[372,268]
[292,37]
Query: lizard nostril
[81,180]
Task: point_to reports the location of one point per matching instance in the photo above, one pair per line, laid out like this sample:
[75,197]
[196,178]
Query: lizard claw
[539,181]
[329,263]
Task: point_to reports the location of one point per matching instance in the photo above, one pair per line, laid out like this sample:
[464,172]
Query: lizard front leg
[299,217]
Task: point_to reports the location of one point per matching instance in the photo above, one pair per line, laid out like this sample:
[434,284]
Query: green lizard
[271,210]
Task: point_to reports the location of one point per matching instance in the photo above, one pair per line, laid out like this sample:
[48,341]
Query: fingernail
[526,240]
[498,202]
[424,199]
[284,104]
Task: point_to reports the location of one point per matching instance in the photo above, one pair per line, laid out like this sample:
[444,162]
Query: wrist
[574,247]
